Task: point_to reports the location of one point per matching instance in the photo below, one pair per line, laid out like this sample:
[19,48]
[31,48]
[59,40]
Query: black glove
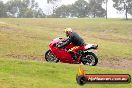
[59,46]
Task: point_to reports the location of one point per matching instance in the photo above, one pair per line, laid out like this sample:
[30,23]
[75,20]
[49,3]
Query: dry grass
[32,36]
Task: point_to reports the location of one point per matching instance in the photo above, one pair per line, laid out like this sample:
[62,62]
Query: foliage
[96,9]
[2,10]
[123,5]
[23,9]
[81,8]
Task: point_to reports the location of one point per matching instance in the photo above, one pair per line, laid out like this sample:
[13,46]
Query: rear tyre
[89,59]
[50,57]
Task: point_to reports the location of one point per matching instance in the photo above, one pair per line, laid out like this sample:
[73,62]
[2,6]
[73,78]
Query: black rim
[50,57]
[90,60]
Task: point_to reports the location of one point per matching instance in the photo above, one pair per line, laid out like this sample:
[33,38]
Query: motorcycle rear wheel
[89,59]
[50,57]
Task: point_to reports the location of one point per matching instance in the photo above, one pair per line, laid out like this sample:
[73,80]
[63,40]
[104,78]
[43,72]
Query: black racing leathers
[75,39]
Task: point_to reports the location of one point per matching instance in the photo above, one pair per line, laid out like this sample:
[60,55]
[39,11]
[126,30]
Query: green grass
[30,74]
[29,39]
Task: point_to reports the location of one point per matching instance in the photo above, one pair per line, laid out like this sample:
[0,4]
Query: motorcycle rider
[74,38]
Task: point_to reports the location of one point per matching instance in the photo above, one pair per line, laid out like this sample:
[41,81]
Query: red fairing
[62,54]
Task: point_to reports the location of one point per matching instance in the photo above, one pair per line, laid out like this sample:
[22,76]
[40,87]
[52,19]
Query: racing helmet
[68,31]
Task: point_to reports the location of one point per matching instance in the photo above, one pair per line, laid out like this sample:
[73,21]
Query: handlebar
[59,44]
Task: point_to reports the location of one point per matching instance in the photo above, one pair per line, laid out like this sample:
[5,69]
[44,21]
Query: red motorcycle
[86,54]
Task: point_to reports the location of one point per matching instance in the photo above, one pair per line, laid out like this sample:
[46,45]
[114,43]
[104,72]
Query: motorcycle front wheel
[50,57]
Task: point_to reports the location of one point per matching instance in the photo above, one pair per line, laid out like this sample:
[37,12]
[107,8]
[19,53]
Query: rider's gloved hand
[59,46]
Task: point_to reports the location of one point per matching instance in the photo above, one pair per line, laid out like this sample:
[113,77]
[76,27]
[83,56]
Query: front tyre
[50,57]
[89,59]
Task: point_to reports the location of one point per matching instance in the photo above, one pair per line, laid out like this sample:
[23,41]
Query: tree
[24,8]
[123,5]
[78,9]
[13,7]
[81,8]
[106,6]
[52,1]
[106,3]
[96,9]
[55,4]
[64,11]
[2,10]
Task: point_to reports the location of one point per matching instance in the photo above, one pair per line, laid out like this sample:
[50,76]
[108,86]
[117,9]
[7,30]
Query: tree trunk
[106,8]
[94,13]
[126,13]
